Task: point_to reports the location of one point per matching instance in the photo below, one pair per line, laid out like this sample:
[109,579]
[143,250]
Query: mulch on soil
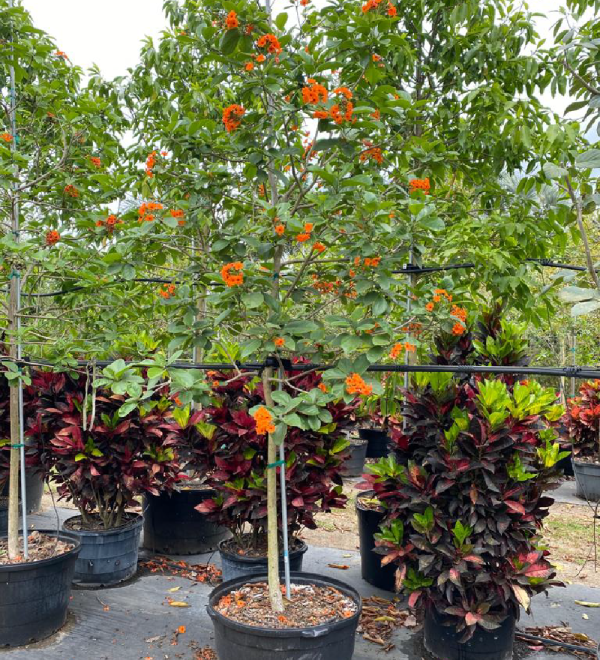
[380,618]
[310,606]
[205,573]
[246,546]
[41,546]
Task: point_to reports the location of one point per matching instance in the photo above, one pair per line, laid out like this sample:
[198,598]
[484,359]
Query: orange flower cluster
[339,113]
[369,262]
[319,247]
[7,137]
[398,349]
[150,163]
[271,41]
[324,287]
[459,313]
[180,215]
[376,115]
[391,10]
[231,116]
[305,236]
[458,329]
[233,280]
[372,154]
[438,293]
[60,53]
[231,22]
[279,341]
[71,191]
[95,161]
[52,237]
[419,184]
[376,58]
[315,92]
[148,206]
[166,291]
[280,229]
[343,91]
[264,421]
[374,4]
[249,66]
[110,223]
[414,328]
[323,387]
[356,385]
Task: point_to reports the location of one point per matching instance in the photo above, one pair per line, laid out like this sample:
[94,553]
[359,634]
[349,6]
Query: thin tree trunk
[13,492]
[272,526]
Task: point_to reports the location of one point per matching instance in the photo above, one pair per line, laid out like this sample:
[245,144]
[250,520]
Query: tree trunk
[272,526]
[13,484]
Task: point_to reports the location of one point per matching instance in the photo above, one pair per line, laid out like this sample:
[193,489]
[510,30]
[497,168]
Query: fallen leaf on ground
[174,589]
[341,567]
[178,603]
[585,603]
[151,640]
[585,616]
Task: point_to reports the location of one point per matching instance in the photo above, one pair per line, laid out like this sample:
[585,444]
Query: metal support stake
[284,517]
[17,284]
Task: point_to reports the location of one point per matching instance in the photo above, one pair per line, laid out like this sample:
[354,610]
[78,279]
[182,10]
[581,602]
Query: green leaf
[80,457]
[586,307]
[588,160]
[553,171]
[255,299]
[577,294]
[281,20]
[229,41]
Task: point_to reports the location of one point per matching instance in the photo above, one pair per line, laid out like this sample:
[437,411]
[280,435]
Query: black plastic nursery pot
[3,516]
[587,480]
[173,526]
[34,489]
[330,641]
[355,463]
[107,557]
[378,442]
[34,597]
[382,577]
[442,640]
[565,465]
[235,566]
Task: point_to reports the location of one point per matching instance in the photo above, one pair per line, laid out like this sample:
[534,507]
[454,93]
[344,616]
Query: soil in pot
[173,526]
[35,594]
[587,480]
[442,640]
[370,515]
[107,557]
[378,442]
[318,623]
[355,463]
[248,559]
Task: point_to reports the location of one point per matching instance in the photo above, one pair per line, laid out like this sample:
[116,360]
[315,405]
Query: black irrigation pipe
[408,269]
[553,642]
[585,373]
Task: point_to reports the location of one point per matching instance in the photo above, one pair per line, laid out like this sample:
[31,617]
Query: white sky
[109,33]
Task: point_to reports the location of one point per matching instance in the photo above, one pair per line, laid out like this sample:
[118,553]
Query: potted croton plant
[173,523]
[101,459]
[582,420]
[313,468]
[465,508]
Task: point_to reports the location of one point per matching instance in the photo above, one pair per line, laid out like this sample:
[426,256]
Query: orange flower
[271,41]
[410,348]
[376,58]
[233,280]
[308,226]
[7,137]
[356,385]
[397,351]
[261,58]
[231,116]
[177,213]
[178,401]
[371,4]
[71,191]
[150,163]
[419,184]
[264,421]
[95,161]
[279,341]
[99,223]
[231,22]
[429,306]
[304,2]
[249,66]
[319,247]
[320,114]
[374,154]
[181,630]
[315,93]
[280,229]
[323,387]
[376,114]
[166,291]
[344,91]
[52,237]
[60,53]
[391,10]
[458,329]
[302,238]
[111,221]
[459,312]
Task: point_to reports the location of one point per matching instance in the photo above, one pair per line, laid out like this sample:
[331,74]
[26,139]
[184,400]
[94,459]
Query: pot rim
[308,632]
[138,521]
[257,560]
[31,565]
[364,495]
